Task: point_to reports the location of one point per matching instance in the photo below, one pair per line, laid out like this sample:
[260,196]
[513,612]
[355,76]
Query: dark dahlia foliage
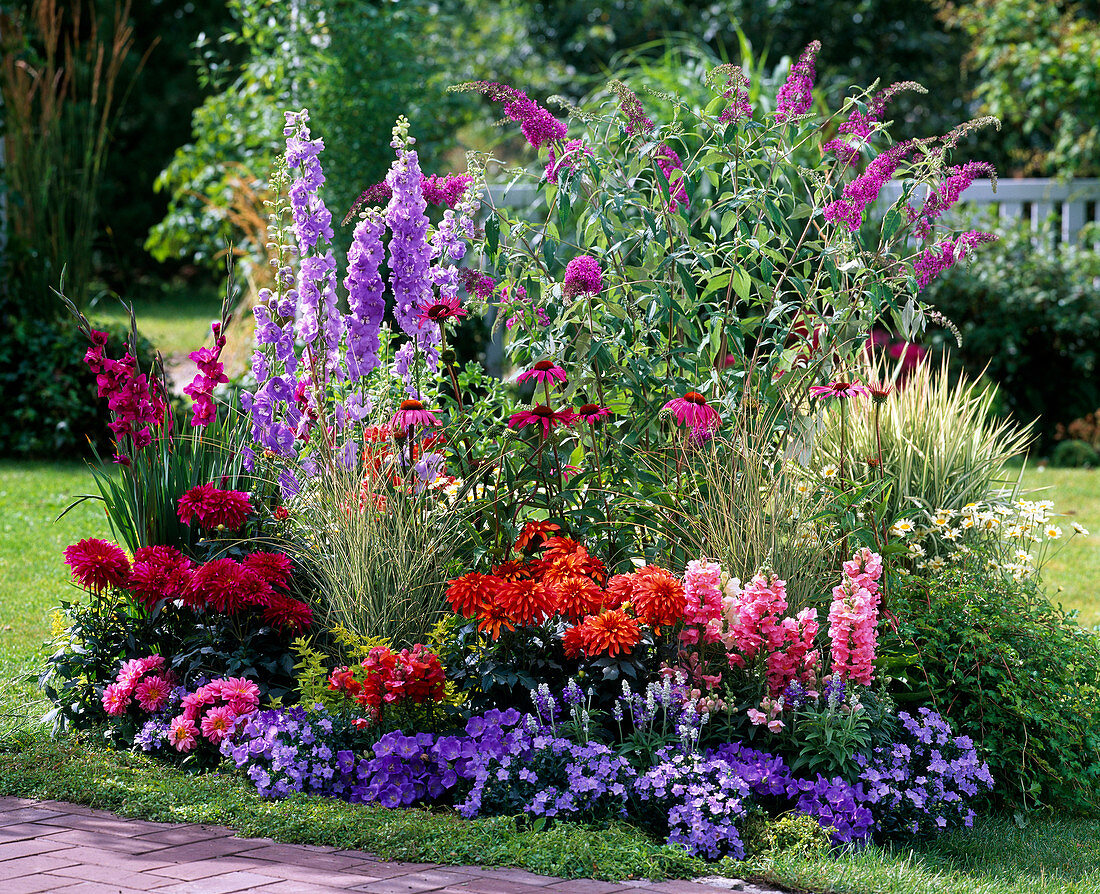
[54,411]
[1013,673]
[1029,314]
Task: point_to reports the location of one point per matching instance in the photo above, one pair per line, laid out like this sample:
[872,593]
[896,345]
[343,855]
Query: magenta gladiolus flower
[545,372]
[543,415]
[839,389]
[693,411]
[412,412]
[583,276]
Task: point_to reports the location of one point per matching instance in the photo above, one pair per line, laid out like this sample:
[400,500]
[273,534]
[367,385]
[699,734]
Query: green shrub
[1012,672]
[1074,454]
[1029,315]
[53,408]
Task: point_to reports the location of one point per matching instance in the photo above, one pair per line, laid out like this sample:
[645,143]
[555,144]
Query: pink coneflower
[97,564]
[412,412]
[583,276]
[545,372]
[880,391]
[839,388]
[182,734]
[591,413]
[446,307]
[542,414]
[152,692]
[693,411]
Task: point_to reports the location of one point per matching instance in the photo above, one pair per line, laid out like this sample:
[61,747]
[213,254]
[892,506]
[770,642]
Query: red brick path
[50,846]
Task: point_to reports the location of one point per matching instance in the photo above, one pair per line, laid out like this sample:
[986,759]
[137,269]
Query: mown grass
[1072,576]
[1050,854]
[174,316]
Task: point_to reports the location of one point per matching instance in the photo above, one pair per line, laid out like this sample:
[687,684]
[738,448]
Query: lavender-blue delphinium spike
[366,297]
[320,325]
[410,252]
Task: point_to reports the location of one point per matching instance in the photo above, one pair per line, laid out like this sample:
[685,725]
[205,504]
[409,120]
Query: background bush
[1012,672]
[54,411]
[1029,313]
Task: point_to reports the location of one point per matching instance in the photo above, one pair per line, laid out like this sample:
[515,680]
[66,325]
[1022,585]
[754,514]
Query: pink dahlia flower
[97,564]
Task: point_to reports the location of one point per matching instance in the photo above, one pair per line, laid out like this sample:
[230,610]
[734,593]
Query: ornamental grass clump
[933,441]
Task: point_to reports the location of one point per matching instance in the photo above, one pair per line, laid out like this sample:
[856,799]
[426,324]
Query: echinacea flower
[693,411]
[446,307]
[583,276]
[839,388]
[591,413]
[412,412]
[545,372]
[543,415]
[880,392]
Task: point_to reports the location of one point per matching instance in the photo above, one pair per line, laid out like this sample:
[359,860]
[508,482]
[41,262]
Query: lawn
[1042,853]
[175,316]
[1072,577]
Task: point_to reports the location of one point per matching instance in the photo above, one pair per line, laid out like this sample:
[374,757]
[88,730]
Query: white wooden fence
[1072,204]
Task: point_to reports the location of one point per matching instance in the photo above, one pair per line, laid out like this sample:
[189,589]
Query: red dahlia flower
[472,593]
[288,614]
[97,564]
[214,508]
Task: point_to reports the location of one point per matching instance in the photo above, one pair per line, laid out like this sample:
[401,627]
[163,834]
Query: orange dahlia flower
[658,597]
[612,632]
[472,593]
[525,602]
[575,597]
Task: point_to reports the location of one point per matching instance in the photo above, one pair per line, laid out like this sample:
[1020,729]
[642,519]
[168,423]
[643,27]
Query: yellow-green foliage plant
[935,439]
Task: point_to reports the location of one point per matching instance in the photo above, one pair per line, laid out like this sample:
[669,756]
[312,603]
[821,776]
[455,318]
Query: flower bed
[393,578]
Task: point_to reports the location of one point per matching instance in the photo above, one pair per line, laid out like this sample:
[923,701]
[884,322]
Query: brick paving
[48,846]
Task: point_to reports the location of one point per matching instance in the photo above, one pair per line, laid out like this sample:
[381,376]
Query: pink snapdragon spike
[412,412]
[693,411]
[97,564]
[545,372]
[752,618]
[796,658]
[839,389]
[543,415]
[583,276]
[853,618]
[795,97]
[943,255]
[703,603]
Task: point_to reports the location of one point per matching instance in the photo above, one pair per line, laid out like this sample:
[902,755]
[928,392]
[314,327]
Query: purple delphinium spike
[366,298]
